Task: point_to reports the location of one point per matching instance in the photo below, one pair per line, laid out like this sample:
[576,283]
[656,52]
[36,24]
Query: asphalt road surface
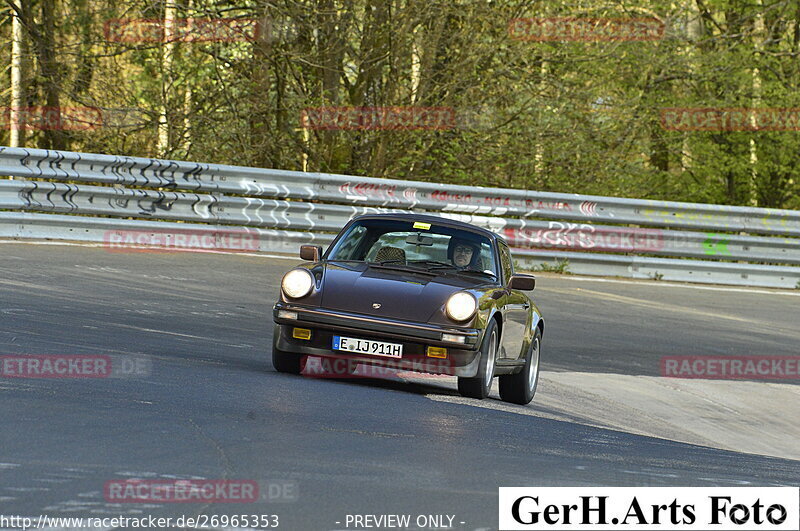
[205,402]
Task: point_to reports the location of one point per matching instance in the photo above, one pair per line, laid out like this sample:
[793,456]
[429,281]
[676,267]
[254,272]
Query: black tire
[520,388]
[283,361]
[288,362]
[481,384]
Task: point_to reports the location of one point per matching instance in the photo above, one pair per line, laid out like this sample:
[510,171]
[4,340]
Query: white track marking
[665,284]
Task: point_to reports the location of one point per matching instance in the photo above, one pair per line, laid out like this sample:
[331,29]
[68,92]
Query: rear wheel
[480,385]
[521,387]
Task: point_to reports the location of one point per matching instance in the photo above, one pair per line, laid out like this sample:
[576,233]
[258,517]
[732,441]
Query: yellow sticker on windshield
[420,225]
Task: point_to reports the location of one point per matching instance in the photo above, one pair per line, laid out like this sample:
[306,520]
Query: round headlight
[461,306]
[297,283]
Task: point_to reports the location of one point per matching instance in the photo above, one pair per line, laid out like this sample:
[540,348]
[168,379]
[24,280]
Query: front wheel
[283,361]
[288,362]
[519,388]
[481,384]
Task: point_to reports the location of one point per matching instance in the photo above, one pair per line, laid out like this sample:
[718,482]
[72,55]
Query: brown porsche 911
[418,293]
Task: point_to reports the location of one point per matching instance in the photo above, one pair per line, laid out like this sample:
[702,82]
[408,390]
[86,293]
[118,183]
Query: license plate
[367,346]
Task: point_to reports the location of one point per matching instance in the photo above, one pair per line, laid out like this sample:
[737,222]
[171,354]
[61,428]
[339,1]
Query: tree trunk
[260,120]
[17,132]
[331,47]
[759,36]
[168,55]
[54,137]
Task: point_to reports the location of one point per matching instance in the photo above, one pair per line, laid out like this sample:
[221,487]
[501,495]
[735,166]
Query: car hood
[403,295]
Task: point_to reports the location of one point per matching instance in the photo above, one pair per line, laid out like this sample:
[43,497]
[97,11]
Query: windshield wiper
[478,272]
[399,265]
[434,264]
[441,265]
[428,267]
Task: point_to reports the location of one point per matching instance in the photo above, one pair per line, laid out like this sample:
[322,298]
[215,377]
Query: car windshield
[416,244]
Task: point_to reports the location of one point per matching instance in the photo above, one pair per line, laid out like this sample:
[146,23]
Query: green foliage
[581,117]
[560,266]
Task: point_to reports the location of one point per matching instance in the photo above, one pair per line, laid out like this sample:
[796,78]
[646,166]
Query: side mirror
[310,252]
[522,282]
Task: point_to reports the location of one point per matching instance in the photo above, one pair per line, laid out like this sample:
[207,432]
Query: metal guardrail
[255,182]
[299,215]
[272,206]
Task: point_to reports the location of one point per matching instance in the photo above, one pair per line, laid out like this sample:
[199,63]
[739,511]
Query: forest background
[236,82]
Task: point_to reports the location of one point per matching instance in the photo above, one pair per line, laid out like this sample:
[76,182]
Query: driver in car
[463,254]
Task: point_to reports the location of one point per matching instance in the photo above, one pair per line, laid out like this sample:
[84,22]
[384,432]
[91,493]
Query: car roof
[400,216]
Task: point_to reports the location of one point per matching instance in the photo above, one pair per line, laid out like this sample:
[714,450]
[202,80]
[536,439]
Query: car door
[515,306]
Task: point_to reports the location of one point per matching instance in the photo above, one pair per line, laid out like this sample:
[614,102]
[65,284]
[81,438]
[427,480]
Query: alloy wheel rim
[534,367]
[490,361]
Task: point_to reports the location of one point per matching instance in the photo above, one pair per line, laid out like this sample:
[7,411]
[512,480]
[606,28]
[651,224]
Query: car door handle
[526,306]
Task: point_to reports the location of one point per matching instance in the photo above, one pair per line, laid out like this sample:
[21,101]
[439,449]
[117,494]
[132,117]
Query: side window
[349,246]
[487,260]
[505,262]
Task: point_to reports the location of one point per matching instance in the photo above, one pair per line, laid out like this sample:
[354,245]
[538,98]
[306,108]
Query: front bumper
[462,358]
